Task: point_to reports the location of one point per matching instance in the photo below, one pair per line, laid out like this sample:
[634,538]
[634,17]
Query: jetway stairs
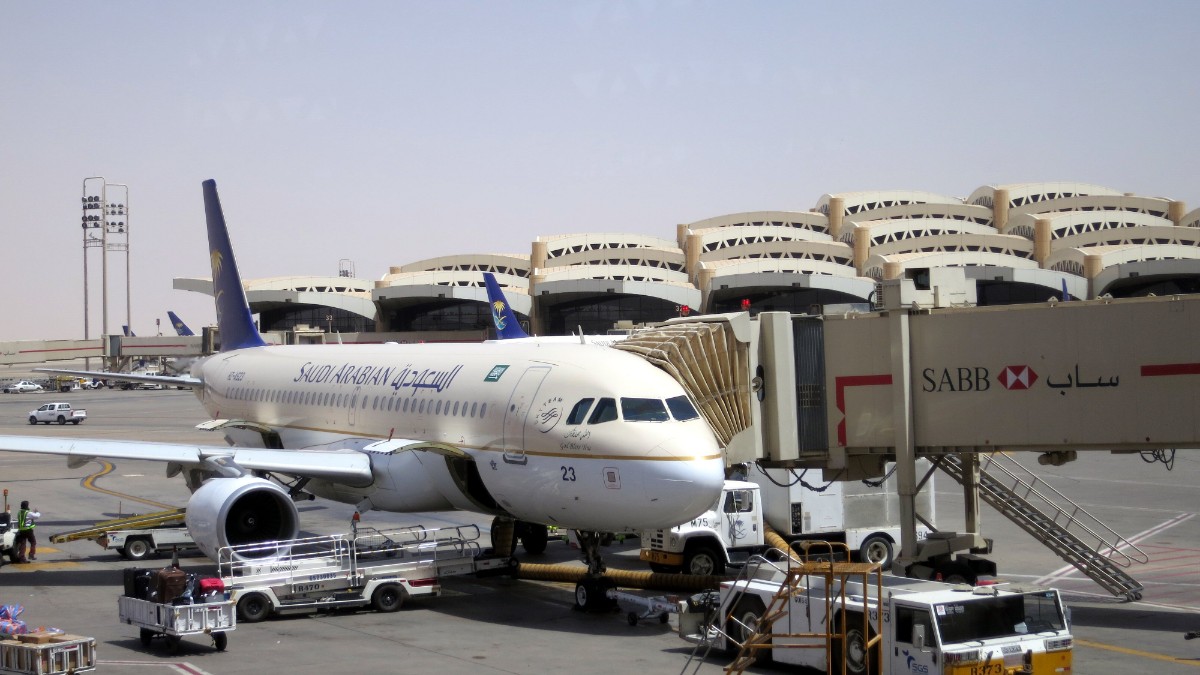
[1052,518]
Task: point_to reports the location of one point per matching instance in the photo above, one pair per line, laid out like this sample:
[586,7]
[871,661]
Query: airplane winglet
[507,326]
[234,320]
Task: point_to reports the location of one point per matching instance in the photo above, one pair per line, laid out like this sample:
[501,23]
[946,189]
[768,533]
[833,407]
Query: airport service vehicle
[57,412]
[47,654]
[22,387]
[368,567]
[879,624]
[139,544]
[8,537]
[865,517]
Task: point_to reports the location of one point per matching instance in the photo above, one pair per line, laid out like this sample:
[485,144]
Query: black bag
[137,582]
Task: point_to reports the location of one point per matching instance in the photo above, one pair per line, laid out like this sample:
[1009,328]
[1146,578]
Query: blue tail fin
[126,332]
[181,328]
[234,320]
[507,326]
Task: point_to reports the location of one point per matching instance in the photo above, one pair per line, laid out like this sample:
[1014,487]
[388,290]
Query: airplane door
[519,405]
[351,415]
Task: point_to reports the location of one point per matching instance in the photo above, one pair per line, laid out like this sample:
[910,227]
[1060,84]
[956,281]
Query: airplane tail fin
[181,328]
[234,320]
[127,332]
[507,326]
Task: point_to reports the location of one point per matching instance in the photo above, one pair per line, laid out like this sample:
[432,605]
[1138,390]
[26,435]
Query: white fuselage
[498,409]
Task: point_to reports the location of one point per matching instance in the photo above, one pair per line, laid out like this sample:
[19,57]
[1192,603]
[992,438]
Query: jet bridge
[854,390]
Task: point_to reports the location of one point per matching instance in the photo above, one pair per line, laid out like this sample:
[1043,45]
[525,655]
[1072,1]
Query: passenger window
[579,412]
[606,411]
[682,409]
[473,406]
[643,410]
[438,409]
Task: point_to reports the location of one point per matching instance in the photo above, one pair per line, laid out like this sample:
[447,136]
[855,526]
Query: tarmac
[501,625]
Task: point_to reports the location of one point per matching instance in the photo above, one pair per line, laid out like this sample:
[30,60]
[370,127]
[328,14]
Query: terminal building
[1019,243]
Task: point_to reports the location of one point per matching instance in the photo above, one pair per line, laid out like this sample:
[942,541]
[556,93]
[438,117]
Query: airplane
[181,328]
[582,437]
[127,331]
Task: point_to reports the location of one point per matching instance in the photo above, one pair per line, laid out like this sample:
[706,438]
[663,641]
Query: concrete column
[1093,265]
[535,306]
[1176,210]
[1000,201]
[837,213]
[537,255]
[1041,241]
[681,235]
[691,251]
[862,248]
[892,270]
[704,277]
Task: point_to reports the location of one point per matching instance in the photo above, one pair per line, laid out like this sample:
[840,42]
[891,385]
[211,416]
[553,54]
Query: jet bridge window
[606,411]
[643,410]
[579,412]
[682,409]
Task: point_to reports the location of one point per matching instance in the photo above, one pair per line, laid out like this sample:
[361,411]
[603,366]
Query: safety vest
[24,522]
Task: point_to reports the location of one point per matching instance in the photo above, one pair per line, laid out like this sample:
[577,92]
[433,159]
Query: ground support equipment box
[47,654]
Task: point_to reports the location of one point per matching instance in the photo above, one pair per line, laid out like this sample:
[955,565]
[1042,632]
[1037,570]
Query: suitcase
[169,583]
[211,585]
[133,577]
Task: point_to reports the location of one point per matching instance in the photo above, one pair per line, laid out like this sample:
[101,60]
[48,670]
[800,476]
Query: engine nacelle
[239,511]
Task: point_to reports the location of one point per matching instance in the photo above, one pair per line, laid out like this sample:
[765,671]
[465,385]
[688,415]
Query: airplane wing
[165,380]
[343,466]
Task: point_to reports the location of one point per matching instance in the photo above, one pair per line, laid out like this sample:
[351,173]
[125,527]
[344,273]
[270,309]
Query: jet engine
[239,511]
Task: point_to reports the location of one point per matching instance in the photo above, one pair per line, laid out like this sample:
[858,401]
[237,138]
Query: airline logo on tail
[498,314]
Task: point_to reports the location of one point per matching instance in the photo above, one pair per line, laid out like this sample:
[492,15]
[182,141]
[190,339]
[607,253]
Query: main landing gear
[591,594]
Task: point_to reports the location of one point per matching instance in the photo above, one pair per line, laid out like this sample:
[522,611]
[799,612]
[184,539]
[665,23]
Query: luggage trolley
[172,622]
[173,608]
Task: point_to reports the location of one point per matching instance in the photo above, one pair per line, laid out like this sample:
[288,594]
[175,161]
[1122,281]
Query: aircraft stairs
[168,518]
[794,576]
[1052,518]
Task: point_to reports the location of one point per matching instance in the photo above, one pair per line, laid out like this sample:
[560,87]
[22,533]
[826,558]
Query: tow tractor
[380,568]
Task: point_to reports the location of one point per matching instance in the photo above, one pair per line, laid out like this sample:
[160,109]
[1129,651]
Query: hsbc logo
[1017,377]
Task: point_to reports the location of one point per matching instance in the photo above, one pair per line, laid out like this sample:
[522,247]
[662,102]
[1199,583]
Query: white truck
[139,544]
[924,627]
[864,517]
[57,412]
[368,567]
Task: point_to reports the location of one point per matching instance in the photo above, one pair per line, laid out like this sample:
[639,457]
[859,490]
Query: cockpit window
[682,409]
[643,410]
[606,411]
[579,412]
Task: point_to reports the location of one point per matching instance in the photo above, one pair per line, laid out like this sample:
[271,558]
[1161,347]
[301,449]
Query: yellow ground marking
[106,468]
[1137,652]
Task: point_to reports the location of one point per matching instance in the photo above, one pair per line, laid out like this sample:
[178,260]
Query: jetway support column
[970,483]
[902,417]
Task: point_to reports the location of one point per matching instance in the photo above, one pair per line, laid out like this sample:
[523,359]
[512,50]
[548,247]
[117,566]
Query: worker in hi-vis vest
[26,521]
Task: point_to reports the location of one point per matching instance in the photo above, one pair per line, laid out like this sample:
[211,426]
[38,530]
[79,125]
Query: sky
[384,133]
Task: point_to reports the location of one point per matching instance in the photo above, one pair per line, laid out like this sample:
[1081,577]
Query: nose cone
[689,476]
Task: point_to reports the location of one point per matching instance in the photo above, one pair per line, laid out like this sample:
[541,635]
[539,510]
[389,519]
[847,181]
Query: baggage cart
[47,654]
[172,622]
